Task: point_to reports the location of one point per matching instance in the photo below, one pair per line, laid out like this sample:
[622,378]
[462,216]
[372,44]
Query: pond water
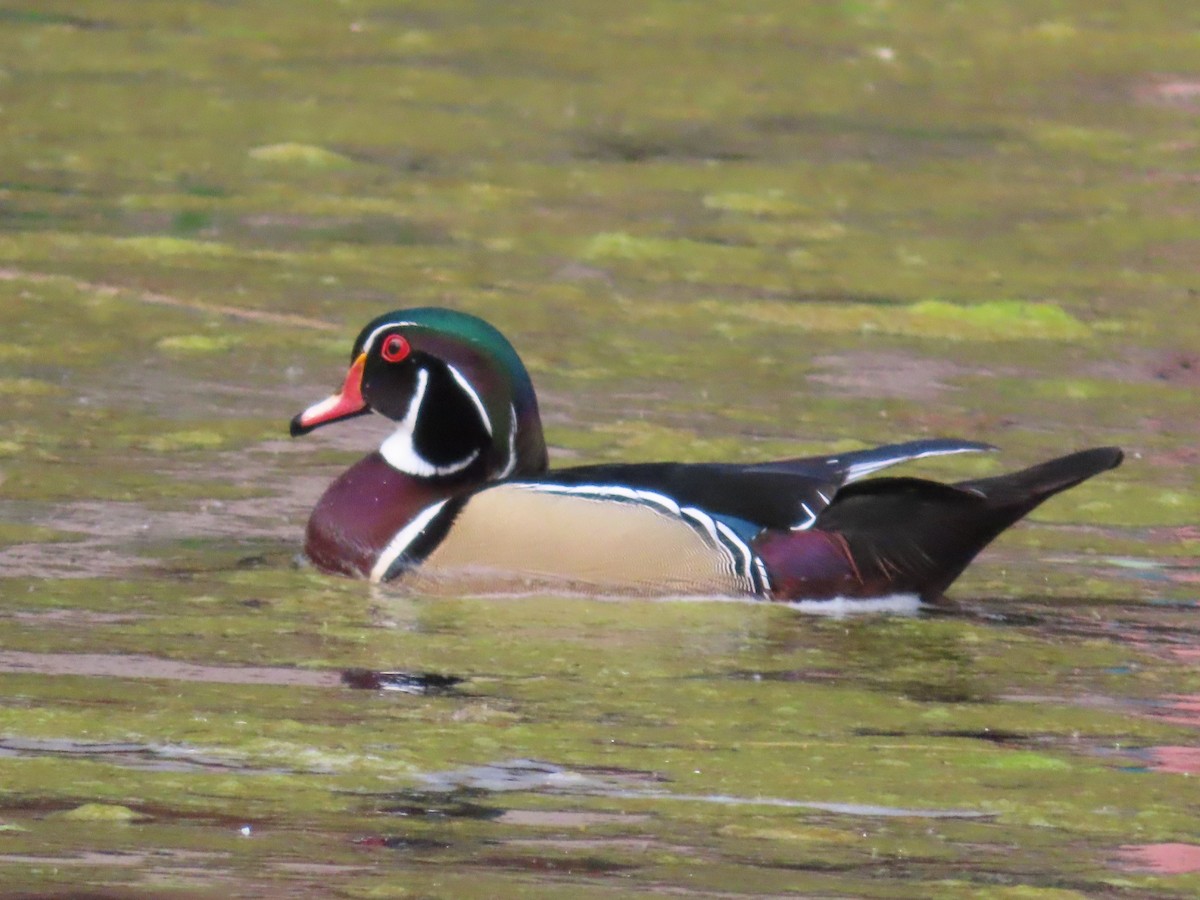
[765,230]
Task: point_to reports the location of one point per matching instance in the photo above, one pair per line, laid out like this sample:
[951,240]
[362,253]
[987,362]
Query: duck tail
[908,535]
[1037,483]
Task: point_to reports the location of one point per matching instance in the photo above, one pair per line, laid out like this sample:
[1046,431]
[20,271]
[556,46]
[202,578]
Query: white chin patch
[399,450]
[400,454]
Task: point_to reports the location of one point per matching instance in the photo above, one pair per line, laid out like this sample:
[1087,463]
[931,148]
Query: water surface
[761,230]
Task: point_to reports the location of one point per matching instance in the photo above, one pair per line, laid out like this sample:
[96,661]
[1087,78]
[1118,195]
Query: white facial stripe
[366,347]
[470,392]
[409,422]
[512,443]
[403,540]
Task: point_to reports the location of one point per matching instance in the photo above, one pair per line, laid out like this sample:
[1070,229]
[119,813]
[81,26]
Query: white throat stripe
[399,449]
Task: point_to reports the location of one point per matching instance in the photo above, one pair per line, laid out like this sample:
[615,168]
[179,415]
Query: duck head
[465,415]
[462,401]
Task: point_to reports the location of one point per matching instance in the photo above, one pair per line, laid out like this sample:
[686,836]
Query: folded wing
[788,493]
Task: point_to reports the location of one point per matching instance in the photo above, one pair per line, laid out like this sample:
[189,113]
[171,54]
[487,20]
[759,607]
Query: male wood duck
[462,486]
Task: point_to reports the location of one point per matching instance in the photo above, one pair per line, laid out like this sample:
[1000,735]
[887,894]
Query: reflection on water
[1165,859]
[1180,710]
[127,665]
[1179,760]
[535,775]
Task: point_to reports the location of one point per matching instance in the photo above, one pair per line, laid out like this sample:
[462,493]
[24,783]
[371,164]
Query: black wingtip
[1083,464]
[1044,480]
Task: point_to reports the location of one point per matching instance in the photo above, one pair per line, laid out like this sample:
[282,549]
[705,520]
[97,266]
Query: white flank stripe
[403,539]
[736,541]
[611,490]
[704,520]
[764,580]
[709,524]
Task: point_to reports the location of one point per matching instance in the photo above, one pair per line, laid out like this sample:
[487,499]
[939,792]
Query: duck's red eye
[394,348]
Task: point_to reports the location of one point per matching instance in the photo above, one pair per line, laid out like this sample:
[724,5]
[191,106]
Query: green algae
[162,246]
[675,258]
[1007,319]
[192,439]
[772,202]
[17,533]
[200,343]
[27,387]
[102,812]
[291,153]
[991,320]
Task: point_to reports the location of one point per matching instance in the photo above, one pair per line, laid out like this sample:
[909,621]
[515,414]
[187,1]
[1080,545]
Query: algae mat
[725,232]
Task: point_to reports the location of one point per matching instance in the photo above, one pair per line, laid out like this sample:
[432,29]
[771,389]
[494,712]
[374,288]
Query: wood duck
[462,487]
